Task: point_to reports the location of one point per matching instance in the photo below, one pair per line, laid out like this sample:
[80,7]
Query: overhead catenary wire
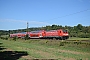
[70,14]
[11,20]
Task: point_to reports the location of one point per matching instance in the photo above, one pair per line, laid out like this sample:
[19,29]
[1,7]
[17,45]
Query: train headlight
[65,34]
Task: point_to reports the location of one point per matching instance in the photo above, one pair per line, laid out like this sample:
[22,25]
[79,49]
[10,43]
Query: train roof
[53,30]
[36,31]
[20,33]
[23,32]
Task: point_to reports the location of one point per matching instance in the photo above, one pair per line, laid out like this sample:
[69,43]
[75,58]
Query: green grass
[48,49]
[76,38]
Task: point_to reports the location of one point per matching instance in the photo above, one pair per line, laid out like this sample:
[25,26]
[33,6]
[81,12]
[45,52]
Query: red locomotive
[57,34]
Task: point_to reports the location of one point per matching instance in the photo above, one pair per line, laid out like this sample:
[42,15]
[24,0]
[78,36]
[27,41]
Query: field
[71,49]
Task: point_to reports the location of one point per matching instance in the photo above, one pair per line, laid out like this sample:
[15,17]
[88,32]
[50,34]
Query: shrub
[61,43]
[46,41]
[27,37]
[14,38]
[77,42]
[6,38]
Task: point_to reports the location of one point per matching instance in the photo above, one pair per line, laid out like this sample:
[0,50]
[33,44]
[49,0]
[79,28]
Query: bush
[61,43]
[6,38]
[15,38]
[77,42]
[27,37]
[46,41]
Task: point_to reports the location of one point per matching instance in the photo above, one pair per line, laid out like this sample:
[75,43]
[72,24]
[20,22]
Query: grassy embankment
[76,38]
[47,49]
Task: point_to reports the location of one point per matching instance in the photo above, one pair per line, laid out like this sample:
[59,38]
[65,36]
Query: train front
[65,34]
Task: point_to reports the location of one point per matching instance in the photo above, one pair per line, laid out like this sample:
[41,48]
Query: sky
[14,14]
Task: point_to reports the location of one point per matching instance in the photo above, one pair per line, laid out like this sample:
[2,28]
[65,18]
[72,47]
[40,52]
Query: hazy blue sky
[15,13]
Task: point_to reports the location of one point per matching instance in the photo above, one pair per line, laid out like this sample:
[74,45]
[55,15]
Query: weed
[61,43]
[46,41]
[6,38]
[15,38]
[27,37]
[77,42]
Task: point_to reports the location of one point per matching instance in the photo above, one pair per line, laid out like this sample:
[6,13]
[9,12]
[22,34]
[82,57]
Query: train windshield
[65,31]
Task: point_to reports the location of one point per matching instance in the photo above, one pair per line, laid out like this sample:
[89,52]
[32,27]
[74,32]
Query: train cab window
[64,31]
[44,32]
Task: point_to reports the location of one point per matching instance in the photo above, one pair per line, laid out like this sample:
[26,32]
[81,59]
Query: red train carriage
[37,34]
[19,35]
[13,35]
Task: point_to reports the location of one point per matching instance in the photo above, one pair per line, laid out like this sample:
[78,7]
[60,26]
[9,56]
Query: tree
[79,27]
[75,31]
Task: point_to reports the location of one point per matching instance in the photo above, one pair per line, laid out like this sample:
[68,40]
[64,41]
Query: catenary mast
[27,27]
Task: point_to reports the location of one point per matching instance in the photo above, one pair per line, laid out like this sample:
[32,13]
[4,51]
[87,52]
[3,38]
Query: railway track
[79,40]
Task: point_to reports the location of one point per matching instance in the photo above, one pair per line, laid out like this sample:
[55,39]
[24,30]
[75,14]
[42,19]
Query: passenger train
[43,34]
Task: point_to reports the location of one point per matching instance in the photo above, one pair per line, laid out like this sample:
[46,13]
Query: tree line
[75,31]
